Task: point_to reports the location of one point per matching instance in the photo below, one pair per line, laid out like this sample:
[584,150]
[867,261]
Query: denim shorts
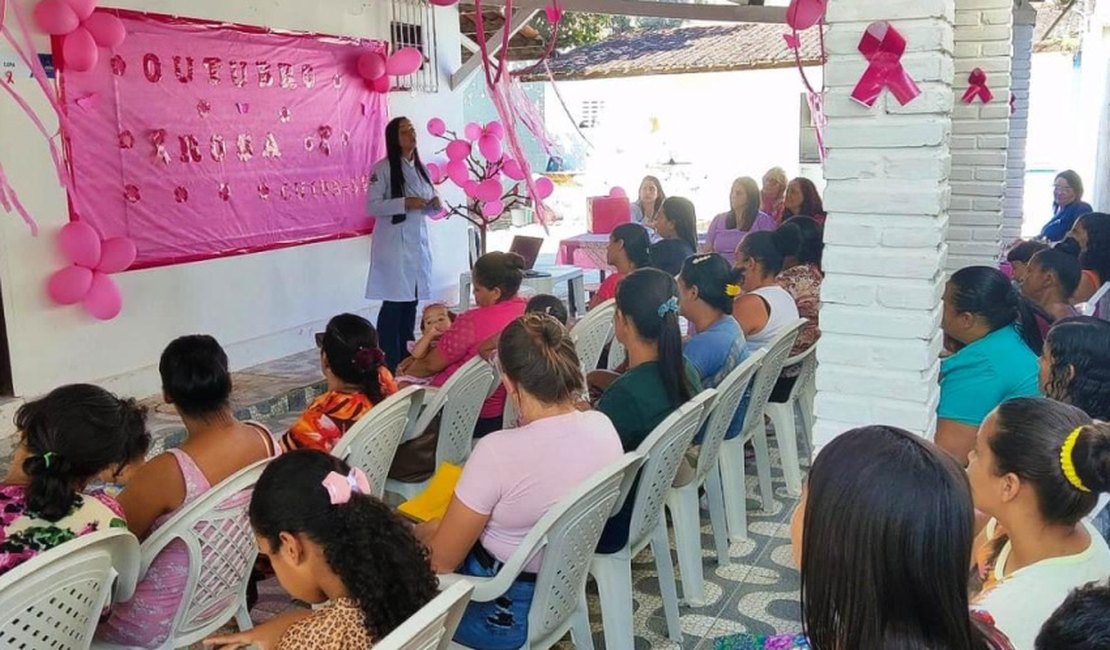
[502,623]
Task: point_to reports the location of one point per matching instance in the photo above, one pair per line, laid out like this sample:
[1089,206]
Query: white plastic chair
[592,333]
[731,458]
[683,501]
[54,600]
[664,449]
[432,627]
[567,536]
[221,549]
[782,417]
[1088,308]
[459,403]
[371,443]
[617,354]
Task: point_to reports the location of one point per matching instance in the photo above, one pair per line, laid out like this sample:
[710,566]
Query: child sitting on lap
[435,320]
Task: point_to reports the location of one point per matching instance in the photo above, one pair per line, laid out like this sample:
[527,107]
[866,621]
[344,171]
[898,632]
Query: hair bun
[1091,457]
[514,261]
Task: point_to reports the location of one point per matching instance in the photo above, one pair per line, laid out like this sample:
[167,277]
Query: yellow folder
[433,501]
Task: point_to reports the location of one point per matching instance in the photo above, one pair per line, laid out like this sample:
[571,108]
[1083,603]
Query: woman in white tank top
[764,308]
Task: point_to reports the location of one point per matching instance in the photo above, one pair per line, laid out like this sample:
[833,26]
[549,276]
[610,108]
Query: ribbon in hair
[340,488]
[668,307]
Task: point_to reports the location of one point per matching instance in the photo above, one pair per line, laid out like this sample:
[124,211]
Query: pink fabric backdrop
[201,140]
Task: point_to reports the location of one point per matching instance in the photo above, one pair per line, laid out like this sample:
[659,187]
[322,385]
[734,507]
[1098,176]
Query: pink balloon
[406,60]
[381,85]
[470,188]
[371,65]
[436,127]
[618,193]
[69,285]
[473,131]
[116,254]
[80,244]
[107,30]
[495,129]
[83,8]
[492,208]
[803,14]
[458,173]
[104,300]
[489,190]
[439,215]
[458,150]
[55,17]
[544,187]
[79,51]
[512,169]
[434,173]
[490,148]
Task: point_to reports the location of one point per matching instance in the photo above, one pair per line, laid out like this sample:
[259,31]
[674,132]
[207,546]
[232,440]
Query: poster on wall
[200,140]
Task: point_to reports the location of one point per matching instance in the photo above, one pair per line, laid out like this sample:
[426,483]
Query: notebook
[433,501]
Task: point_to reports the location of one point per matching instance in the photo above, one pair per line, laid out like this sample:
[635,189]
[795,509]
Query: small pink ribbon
[977,87]
[883,48]
[340,488]
[8,78]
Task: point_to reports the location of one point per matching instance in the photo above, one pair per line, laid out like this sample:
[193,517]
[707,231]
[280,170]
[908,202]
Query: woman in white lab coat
[401,197]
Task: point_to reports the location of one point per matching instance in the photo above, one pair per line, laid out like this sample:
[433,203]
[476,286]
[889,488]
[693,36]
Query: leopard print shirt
[338,627]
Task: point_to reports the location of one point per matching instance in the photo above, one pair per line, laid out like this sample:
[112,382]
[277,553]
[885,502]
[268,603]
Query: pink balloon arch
[87,280]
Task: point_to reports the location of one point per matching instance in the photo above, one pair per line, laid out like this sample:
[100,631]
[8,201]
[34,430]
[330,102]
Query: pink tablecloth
[587,251]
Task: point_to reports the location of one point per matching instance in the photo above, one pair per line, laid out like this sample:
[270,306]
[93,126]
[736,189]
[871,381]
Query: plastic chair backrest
[664,450]
[55,600]
[459,403]
[371,443]
[768,374]
[592,333]
[1091,306]
[617,354]
[807,372]
[432,627]
[216,532]
[730,392]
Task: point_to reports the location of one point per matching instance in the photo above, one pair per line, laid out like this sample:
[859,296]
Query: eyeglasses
[320,340]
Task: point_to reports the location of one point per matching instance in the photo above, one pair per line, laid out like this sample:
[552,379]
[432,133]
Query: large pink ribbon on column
[977,87]
[883,47]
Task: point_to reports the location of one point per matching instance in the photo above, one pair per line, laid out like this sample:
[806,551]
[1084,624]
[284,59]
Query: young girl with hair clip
[1038,469]
[357,378]
[329,541]
[68,438]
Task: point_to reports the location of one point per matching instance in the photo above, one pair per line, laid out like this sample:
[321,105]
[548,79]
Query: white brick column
[1013,205]
[887,194]
[979,133]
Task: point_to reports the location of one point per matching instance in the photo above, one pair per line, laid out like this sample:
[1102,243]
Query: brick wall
[1013,205]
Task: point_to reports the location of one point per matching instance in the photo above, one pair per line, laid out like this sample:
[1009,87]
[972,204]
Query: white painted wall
[261,306]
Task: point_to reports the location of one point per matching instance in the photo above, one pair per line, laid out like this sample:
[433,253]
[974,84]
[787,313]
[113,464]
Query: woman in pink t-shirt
[514,476]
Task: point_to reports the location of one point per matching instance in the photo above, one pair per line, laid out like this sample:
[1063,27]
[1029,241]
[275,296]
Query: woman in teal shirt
[994,342]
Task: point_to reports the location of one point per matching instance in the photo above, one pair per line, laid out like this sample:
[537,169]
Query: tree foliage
[577,29]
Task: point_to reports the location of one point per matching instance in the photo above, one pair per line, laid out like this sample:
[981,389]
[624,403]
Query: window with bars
[413,24]
[591,113]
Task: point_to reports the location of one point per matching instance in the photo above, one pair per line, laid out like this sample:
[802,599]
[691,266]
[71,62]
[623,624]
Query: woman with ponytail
[68,438]
[764,308]
[357,377]
[329,541]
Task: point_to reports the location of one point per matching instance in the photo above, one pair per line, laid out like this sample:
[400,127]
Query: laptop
[529,249]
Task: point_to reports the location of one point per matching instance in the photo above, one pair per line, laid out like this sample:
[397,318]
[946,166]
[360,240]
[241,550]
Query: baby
[434,321]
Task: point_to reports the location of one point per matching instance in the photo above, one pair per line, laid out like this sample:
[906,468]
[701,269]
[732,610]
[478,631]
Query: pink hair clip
[340,488]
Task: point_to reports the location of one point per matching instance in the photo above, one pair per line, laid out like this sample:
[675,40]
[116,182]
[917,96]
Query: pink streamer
[883,47]
[563,103]
[10,201]
[815,99]
[977,87]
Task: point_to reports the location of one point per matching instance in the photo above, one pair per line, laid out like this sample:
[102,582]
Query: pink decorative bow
[340,488]
[883,47]
[977,87]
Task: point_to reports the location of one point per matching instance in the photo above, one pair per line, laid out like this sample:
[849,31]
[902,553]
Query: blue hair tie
[668,307]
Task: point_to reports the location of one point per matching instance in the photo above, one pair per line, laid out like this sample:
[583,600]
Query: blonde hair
[777,174]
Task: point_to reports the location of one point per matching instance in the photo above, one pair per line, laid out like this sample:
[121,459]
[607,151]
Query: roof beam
[650,9]
[469,43]
[493,45]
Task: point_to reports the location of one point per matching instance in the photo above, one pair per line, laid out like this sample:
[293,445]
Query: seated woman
[357,379]
[993,340]
[801,241]
[1075,366]
[744,216]
[1067,205]
[196,381]
[764,307]
[627,251]
[514,476]
[71,436]
[679,230]
[803,200]
[1082,622]
[1091,235]
[1050,281]
[1019,256]
[773,192]
[649,200]
[1037,470]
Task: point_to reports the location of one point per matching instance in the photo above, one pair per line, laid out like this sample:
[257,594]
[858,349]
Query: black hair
[811,200]
[641,296]
[1024,251]
[636,242]
[801,238]
[680,212]
[746,220]
[497,270]
[1028,442]
[1096,255]
[1073,180]
[195,376]
[1082,622]
[711,274]
[384,568]
[350,345]
[72,434]
[988,293]
[1064,266]
[761,247]
[396,171]
[1079,349]
[887,537]
[660,195]
[536,352]
[546,303]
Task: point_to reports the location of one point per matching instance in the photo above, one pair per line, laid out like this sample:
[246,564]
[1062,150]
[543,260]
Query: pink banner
[201,140]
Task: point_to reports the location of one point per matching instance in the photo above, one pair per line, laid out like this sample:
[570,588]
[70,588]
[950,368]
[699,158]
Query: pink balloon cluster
[375,68]
[87,279]
[83,30]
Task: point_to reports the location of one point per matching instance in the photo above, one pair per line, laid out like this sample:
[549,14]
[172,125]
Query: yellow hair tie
[1066,462]
[732,290]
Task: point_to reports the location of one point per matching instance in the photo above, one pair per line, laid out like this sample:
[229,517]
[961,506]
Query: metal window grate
[413,24]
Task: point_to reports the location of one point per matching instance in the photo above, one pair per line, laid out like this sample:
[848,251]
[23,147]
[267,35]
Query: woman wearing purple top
[728,229]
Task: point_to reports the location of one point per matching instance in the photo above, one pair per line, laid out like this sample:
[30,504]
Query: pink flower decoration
[86,280]
[83,31]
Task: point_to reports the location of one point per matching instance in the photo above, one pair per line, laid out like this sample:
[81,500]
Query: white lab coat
[400,259]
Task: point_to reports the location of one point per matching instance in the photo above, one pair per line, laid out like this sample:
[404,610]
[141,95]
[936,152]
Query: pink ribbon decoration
[340,488]
[883,48]
[977,87]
